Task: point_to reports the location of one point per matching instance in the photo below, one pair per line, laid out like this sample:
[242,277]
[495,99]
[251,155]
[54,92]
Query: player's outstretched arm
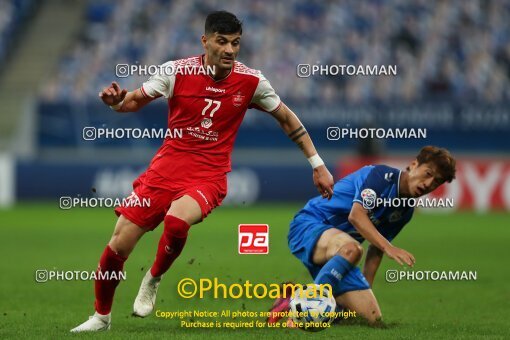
[372,263]
[121,100]
[359,219]
[292,126]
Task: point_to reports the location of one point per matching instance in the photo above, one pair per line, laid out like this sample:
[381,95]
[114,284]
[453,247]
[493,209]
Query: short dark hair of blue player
[223,22]
[441,158]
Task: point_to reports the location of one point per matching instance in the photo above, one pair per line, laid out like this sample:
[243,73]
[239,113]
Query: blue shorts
[304,233]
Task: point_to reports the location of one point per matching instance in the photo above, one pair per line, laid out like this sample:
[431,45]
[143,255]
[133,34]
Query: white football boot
[146,298]
[95,323]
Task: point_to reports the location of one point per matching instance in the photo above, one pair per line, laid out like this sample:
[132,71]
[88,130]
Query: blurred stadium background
[453,60]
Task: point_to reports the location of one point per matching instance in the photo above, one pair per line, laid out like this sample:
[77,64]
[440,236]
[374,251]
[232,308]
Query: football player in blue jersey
[326,235]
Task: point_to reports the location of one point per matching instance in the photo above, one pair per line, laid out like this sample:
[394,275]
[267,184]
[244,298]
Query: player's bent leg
[125,236]
[124,239]
[183,213]
[336,242]
[363,302]
[187,209]
[338,253]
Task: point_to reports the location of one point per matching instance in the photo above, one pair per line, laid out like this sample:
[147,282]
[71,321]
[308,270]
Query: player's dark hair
[223,22]
[441,158]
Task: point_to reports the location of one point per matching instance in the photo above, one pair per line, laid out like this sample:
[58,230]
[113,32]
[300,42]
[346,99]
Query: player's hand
[323,181]
[112,95]
[400,255]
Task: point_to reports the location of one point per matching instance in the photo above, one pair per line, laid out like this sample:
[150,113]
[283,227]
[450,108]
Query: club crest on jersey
[238,99]
[206,123]
[368,197]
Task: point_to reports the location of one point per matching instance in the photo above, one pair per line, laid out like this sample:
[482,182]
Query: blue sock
[333,272]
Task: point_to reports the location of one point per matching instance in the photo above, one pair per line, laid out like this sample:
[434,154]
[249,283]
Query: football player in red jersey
[186,179]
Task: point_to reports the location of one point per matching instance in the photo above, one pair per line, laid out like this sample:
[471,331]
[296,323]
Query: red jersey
[204,116]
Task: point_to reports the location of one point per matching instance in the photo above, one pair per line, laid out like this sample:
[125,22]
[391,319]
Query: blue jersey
[379,180]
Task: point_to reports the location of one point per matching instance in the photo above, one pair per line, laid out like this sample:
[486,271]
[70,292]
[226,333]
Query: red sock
[170,245]
[105,289]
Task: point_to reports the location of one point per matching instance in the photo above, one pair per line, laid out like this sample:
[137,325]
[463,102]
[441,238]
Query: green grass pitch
[41,236]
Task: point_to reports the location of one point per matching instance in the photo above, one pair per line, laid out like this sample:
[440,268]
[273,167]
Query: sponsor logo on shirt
[206,123]
[214,89]
[202,134]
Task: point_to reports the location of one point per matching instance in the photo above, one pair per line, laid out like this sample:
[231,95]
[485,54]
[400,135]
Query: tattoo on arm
[296,136]
[299,136]
[293,133]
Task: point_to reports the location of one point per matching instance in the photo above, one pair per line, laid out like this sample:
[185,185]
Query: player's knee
[176,226]
[187,209]
[352,252]
[125,236]
[120,246]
